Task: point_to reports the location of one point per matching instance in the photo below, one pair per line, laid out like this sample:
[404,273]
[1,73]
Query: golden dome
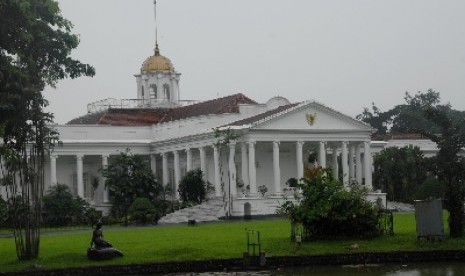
[157,62]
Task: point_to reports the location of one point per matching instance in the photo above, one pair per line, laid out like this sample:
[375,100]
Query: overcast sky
[345,54]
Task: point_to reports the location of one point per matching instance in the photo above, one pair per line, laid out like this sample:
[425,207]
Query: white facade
[269,150]
[274,140]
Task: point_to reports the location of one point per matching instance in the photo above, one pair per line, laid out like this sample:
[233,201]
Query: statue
[101,250]
[97,238]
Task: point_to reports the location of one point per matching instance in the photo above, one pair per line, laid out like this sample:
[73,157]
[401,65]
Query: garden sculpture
[101,250]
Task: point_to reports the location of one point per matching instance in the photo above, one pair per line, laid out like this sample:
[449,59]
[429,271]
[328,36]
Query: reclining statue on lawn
[102,249]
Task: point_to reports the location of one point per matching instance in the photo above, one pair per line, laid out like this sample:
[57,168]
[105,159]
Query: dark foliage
[3,212]
[327,209]
[399,172]
[129,177]
[62,209]
[408,117]
[35,48]
[140,210]
[450,166]
[432,188]
[192,188]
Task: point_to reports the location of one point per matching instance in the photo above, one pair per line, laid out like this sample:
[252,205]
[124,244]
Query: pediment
[311,116]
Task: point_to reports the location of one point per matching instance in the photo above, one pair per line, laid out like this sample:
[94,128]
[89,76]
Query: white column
[232,168]
[299,159]
[367,165]
[252,169]
[203,162]
[334,165]
[276,168]
[345,164]
[53,170]
[166,177]
[322,155]
[216,161]
[244,165]
[189,159]
[358,164]
[79,172]
[177,172]
[153,163]
[106,197]
[351,162]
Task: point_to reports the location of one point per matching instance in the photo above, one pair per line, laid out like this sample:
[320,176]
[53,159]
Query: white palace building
[274,139]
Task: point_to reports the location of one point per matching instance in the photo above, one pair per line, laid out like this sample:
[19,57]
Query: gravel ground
[400,206]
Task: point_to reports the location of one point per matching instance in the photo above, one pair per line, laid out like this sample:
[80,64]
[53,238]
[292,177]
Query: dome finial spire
[157,51]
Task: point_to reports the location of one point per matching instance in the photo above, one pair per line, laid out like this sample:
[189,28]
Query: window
[153,91]
[143,95]
[166,91]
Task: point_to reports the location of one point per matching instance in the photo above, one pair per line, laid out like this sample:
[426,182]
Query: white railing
[105,104]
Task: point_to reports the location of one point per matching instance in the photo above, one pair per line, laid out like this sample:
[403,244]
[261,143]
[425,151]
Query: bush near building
[141,210]
[192,188]
[128,177]
[60,208]
[328,209]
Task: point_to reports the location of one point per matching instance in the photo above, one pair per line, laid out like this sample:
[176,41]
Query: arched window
[143,95]
[166,91]
[153,91]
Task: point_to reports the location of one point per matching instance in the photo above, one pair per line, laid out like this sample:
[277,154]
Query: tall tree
[35,46]
[129,177]
[399,172]
[225,138]
[424,114]
[404,117]
[450,166]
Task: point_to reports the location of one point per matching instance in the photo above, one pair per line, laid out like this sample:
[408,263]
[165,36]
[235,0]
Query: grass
[205,241]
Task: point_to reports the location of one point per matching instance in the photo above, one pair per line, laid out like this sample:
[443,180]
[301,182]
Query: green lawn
[204,241]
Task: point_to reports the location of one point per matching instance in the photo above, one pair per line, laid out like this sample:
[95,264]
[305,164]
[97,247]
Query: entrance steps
[211,210]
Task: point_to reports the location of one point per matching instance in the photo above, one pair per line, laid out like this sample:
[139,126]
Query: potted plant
[262,190]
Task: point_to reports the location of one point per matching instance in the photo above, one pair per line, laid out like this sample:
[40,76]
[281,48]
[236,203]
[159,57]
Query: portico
[267,152]
[272,142]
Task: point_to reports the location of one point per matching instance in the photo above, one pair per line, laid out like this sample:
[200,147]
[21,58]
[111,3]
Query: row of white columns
[350,157]
[248,166]
[189,166]
[79,174]
[351,162]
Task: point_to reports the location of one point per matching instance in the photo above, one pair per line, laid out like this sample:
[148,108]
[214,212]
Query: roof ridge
[274,115]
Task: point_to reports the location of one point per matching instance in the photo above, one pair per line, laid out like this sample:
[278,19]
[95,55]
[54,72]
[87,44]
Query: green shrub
[292,182]
[432,188]
[92,215]
[61,209]
[327,209]
[140,210]
[192,187]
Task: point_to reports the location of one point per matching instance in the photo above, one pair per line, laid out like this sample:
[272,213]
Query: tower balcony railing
[112,103]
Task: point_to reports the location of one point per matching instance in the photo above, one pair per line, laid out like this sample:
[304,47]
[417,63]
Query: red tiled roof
[228,104]
[88,119]
[137,117]
[261,116]
[122,117]
[142,117]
